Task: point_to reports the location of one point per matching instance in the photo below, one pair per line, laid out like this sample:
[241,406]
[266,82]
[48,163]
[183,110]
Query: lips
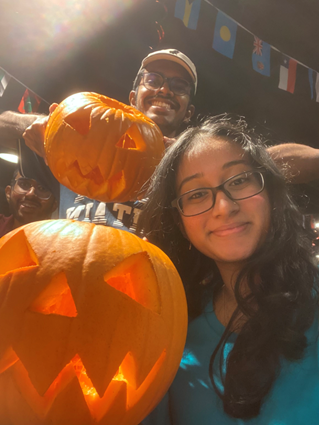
[162,103]
[230,229]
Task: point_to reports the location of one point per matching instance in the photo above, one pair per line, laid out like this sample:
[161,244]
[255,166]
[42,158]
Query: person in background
[221,210]
[28,201]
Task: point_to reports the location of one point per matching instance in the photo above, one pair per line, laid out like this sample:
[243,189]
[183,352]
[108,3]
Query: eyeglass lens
[24,186]
[153,81]
[241,186]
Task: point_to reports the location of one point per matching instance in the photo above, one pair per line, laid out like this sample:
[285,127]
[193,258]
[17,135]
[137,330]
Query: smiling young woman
[219,207]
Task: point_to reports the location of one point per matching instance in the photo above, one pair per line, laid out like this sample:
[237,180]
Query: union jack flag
[258,46]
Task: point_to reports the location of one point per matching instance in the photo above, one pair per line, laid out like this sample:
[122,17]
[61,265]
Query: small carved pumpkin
[101,148]
[93,324]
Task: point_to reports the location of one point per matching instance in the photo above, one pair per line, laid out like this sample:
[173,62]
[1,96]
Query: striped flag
[29,102]
[287,74]
[188,12]
[4,80]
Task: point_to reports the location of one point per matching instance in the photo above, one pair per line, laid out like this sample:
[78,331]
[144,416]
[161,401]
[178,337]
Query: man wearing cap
[163,90]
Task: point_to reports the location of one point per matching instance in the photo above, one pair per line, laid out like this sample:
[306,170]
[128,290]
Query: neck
[229,273]
[167,131]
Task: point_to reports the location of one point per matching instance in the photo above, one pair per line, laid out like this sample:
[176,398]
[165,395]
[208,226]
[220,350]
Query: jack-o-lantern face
[101,148]
[93,324]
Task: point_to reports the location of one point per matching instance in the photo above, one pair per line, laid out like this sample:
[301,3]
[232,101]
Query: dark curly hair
[281,274]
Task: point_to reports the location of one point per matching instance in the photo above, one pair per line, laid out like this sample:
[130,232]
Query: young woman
[219,207]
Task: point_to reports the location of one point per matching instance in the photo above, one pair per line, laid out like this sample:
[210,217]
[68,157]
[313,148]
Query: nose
[31,191]
[224,206]
[165,89]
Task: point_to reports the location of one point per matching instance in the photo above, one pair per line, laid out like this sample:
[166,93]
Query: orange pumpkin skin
[101,148]
[93,324]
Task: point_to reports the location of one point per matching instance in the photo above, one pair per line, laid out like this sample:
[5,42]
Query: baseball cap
[174,56]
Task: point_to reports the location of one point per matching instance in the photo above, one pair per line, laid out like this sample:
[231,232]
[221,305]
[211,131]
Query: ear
[189,113]
[8,192]
[132,98]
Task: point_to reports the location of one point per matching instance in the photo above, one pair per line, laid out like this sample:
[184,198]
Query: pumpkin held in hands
[93,324]
[101,148]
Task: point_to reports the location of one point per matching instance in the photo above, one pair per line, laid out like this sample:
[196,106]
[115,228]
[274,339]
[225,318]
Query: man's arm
[29,126]
[12,127]
[300,162]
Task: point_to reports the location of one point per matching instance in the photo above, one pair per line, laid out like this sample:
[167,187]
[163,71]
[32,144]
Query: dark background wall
[61,47]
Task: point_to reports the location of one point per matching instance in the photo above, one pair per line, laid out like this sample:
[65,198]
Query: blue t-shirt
[191,399]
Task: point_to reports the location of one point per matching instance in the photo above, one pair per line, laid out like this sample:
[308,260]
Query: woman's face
[230,232]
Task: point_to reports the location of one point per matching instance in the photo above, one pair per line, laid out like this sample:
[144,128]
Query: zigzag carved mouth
[119,392]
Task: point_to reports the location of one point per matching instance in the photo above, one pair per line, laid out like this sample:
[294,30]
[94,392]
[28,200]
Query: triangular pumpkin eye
[56,298]
[80,121]
[132,140]
[134,276]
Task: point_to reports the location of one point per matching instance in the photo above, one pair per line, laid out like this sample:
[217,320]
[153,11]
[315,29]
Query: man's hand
[34,134]
[299,162]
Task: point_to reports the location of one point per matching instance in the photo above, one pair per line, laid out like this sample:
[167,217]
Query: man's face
[26,206]
[161,105]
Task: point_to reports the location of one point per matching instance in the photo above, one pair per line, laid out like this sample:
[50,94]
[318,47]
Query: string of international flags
[30,101]
[224,42]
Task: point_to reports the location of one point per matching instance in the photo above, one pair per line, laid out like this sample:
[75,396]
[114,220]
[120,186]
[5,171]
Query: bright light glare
[9,157]
[317,225]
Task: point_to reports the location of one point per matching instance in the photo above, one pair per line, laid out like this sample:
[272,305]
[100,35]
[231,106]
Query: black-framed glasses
[154,81]
[23,186]
[241,186]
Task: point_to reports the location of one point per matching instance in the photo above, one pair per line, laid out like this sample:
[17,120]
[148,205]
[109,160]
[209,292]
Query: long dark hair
[281,275]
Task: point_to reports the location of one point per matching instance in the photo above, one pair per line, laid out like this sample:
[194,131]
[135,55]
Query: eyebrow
[224,167]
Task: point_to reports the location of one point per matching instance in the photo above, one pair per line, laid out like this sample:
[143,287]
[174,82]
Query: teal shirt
[191,400]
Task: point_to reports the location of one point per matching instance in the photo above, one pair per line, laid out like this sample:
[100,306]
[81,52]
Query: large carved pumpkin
[101,148]
[93,324]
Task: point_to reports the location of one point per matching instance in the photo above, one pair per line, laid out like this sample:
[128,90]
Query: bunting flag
[29,102]
[311,75]
[188,12]
[224,35]
[4,80]
[287,74]
[317,87]
[261,57]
